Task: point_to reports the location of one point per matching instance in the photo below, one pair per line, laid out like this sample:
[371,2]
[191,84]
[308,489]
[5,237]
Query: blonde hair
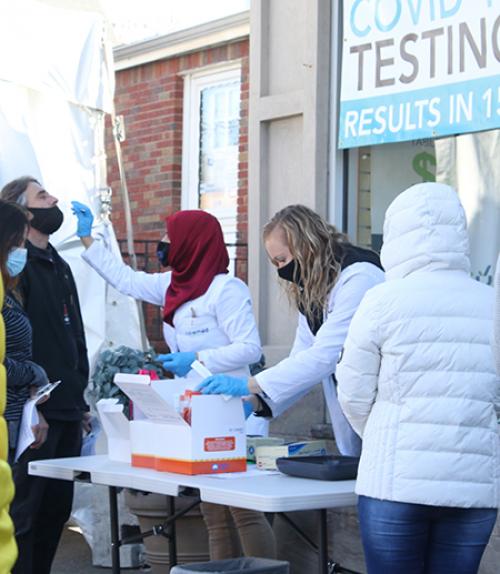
[317,248]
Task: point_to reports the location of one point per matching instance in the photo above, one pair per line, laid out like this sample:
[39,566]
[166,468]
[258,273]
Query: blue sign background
[443,110]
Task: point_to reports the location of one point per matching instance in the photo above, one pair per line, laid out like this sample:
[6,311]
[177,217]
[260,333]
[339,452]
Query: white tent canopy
[56,85]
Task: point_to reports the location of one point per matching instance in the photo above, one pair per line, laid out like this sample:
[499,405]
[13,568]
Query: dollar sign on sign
[423,163]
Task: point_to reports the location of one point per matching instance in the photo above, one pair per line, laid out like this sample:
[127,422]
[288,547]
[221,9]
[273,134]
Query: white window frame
[194,82]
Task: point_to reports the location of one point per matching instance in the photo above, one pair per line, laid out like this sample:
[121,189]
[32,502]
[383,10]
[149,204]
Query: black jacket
[51,302]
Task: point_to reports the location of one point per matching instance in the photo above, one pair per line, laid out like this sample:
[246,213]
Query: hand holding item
[40,399]
[224,385]
[177,363]
[41,394]
[40,431]
[86,422]
[84,217]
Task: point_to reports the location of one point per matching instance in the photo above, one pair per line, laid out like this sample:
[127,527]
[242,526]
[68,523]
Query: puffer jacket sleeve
[496,321]
[149,287]
[358,368]
[495,344]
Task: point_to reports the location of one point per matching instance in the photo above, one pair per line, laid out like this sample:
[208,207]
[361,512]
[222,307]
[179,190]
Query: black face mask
[47,220]
[288,272]
[162,250]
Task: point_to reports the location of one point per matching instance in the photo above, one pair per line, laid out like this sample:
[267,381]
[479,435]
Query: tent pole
[128,220]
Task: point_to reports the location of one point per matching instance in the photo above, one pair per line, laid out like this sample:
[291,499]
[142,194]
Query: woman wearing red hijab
[208,316]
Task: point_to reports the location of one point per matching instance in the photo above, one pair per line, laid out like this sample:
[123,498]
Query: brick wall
[150,99]
[242,252]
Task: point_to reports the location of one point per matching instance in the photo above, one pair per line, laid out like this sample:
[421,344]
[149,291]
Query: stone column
[288,139]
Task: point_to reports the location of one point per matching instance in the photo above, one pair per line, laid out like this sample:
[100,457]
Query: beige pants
[253,534]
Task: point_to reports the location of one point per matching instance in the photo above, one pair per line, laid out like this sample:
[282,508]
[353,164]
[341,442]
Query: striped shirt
[17,360]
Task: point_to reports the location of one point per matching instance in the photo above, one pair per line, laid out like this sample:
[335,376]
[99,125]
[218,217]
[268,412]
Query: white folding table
[267,493]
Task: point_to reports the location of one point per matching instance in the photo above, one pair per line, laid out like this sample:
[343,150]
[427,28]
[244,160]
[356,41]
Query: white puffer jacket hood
[425,229]
[417,379]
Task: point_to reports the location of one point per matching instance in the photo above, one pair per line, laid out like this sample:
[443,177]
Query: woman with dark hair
[207,315]
[23,376]
[325,277]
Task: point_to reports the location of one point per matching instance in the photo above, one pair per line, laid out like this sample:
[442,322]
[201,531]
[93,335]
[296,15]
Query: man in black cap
[41,506]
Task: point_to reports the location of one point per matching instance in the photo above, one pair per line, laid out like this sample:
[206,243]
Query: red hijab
[197,254]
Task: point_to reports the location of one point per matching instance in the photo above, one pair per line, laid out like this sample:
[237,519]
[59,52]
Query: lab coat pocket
[197,326]
[196,333]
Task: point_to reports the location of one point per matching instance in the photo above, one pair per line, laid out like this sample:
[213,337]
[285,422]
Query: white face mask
[16,260]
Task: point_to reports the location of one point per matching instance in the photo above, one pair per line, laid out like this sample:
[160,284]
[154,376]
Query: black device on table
[325,467]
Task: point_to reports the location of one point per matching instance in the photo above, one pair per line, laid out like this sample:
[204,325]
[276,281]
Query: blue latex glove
[85,218]
[224,385]
[177,363]
[248,408]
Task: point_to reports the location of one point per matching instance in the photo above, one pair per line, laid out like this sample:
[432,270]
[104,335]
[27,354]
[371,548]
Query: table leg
[323,542]
[115,541]
[172,538]
[325,565]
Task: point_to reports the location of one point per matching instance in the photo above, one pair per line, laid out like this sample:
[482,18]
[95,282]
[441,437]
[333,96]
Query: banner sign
[414,69]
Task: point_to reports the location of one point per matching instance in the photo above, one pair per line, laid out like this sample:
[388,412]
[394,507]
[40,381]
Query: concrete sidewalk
[74,556]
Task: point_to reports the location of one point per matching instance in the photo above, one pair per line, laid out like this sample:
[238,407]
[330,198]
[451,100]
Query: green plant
[120,360]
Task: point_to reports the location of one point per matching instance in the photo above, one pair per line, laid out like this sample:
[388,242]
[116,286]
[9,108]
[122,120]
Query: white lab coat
[219,325]
[313,358]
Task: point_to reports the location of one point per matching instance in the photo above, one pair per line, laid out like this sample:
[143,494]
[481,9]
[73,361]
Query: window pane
[385,171]
[468,163]
[219,149]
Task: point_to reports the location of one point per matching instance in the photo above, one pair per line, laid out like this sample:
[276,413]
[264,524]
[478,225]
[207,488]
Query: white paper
[29,419]
[151,403]
[116,427]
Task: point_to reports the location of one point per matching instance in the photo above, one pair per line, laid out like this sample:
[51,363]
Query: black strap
[349,255]
[353,254]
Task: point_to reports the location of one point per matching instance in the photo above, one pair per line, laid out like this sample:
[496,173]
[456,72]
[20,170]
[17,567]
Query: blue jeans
[402,538]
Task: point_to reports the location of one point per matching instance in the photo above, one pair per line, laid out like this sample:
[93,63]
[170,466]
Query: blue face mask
[16,260]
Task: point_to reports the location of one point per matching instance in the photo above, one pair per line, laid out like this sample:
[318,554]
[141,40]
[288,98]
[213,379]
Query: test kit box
[266,455]
[215,442]
[255,441]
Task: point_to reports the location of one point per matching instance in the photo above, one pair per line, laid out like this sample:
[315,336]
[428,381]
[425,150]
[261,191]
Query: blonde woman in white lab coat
[207,316]
[326,278]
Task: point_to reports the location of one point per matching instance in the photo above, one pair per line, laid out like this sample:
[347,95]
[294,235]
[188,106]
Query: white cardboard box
[215,441]
[266,455]
[116,427]
[253,442]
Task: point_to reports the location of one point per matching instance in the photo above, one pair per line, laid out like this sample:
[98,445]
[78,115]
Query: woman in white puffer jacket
[417,382]
[496,319]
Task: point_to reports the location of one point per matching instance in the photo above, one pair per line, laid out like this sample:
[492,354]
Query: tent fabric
[62,53]
[54,90]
